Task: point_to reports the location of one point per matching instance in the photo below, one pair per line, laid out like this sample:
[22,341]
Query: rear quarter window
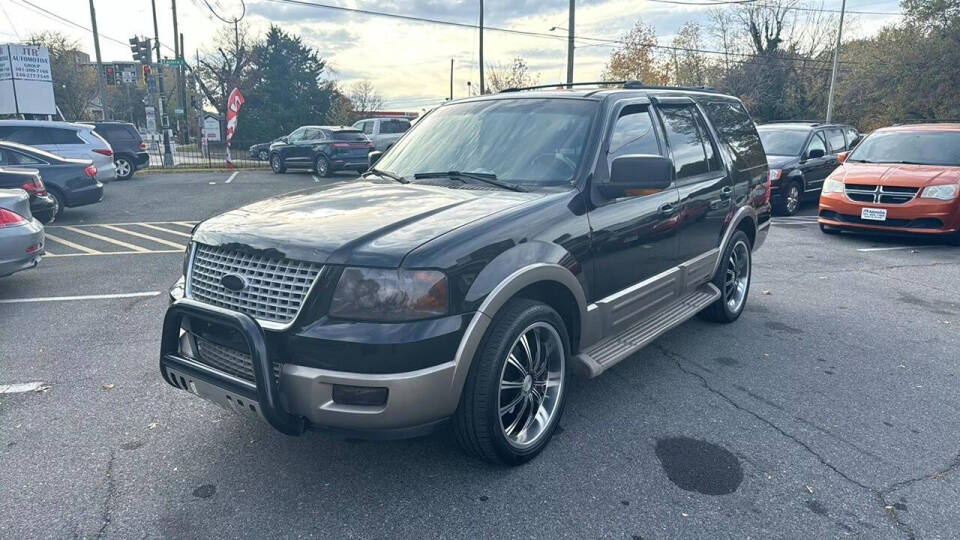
[394,126]
[63,136]
[738,132]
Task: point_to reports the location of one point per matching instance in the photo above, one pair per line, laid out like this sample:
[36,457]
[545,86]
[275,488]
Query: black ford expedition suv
[505,242]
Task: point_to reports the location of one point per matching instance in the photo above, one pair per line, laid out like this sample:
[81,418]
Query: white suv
[65,139]
[383,132]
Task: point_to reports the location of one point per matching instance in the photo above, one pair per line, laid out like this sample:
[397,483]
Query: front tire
[789,203]
[733,279]
[125,168]
[516,388]
[276,163]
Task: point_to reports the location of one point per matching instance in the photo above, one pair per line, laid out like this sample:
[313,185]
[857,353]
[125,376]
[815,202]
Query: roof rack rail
[565,85]
[934,121]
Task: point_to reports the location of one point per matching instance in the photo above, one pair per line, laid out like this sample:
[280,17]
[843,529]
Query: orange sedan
[899,180]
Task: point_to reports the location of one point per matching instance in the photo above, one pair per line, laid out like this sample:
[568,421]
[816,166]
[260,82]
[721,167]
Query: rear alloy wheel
[515,392]
[790,202]
[322,166]
[733,279]
[276,163]
[124,168]
[57,202]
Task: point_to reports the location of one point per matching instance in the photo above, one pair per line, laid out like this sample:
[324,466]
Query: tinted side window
[18,158]
[738,132]
[852,137]
[313,135]
[689,158]
[817,143]
[633,134]
[296,135]
[63,136]
[835,141]
[713,160]
[348,136]
[394,126]
[368,128]
[29,135]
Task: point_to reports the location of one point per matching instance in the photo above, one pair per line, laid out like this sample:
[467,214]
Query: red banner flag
[234,102]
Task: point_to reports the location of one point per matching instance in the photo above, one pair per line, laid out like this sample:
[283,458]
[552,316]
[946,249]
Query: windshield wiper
[486,178]
[385,174]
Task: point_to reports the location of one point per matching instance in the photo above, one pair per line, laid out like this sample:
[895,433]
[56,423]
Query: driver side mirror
[842,156]
[638,173]
[816,153]
[284,140]
[373,157]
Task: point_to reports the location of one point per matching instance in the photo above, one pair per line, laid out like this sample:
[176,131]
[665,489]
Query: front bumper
[302,397]
[928,217]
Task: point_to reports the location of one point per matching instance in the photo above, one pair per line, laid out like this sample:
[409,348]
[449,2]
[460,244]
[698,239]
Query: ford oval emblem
[233,282]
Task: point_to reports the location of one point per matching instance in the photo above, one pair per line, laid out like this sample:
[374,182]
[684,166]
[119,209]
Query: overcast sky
[408,62]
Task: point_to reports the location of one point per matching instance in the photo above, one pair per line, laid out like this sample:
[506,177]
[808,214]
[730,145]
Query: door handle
[726,192]
[667,209]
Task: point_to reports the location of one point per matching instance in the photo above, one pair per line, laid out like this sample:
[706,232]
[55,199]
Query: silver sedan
[21,236]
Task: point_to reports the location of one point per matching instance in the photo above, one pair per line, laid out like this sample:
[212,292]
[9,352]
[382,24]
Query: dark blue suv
[129,150]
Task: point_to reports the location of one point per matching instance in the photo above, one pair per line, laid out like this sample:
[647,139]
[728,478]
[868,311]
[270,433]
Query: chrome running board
[599,357]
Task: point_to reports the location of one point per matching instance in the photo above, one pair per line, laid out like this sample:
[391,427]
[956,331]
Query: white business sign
[211,128]
[26,83]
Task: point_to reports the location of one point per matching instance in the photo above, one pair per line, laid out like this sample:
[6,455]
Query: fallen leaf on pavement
[809,489]
[153,425]
[767,293]
[107,387]
[43,388]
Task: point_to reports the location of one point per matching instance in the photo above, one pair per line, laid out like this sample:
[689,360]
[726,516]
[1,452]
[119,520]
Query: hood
[888,174]
[781,162]
[358,223]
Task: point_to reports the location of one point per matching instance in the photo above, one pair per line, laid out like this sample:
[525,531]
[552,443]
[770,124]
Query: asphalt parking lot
[829,409]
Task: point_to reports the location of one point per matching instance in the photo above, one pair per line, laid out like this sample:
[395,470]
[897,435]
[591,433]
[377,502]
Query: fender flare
[745,212]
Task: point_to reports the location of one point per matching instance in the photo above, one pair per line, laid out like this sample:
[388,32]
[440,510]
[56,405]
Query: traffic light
[111,76]
[140,49]
[146,74]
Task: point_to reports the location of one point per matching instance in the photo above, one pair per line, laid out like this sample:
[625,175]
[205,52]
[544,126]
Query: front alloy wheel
[124,168]
[515,390]
[322,166]
[276,163]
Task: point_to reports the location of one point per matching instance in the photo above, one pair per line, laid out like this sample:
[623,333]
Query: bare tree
[364,97]
[341,110]
[227,67]
[515,75]
[74,82]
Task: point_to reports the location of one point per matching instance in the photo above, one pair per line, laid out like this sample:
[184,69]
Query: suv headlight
[832,186]
[945,192]
[375,294]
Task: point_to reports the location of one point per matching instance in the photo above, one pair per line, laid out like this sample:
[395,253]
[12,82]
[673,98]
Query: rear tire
[57,199]
[789,203]
[276,163]
[954,239]
[263,155]
[321,166]
[733,279]
[125,168]
[515,391]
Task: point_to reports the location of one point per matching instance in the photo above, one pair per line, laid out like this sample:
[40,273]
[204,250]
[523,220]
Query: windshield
[783,142]
[538,141]
[921,147]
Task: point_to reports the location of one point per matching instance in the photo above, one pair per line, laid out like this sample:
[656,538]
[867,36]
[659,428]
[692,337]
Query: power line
[412,18]
[228,21]
[798,8]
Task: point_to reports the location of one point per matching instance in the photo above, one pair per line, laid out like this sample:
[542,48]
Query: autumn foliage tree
[636,59]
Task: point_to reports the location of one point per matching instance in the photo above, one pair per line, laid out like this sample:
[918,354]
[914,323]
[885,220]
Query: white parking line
[895,248]
[145,237]
[106,239]
[58,255]
[232,176]
[70,244]
[156,228]
[81,297]
[19,388]
[315,179]
[187,224]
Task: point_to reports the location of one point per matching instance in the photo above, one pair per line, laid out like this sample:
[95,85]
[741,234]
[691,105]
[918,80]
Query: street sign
[174,62]
[178,111]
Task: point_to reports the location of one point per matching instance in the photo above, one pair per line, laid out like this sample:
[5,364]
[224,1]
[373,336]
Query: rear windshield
[783,142]
[915,147]
[347,136]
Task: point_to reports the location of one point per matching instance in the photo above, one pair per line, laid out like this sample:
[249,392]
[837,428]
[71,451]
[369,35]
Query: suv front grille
[275,287]
[228,360]
[880,194]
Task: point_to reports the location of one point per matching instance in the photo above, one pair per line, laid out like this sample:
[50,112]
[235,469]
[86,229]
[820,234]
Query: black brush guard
[267,388]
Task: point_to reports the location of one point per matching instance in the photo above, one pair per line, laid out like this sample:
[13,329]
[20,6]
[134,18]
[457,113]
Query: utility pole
[96,49]
[570,44]
[836,60]
[183,95]
[482,83]
[178,55]
[167,155]
[451,79]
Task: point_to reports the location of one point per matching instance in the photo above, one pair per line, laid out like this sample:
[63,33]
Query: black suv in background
[129,150]
[801,155]
[325,149]
[504,242]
